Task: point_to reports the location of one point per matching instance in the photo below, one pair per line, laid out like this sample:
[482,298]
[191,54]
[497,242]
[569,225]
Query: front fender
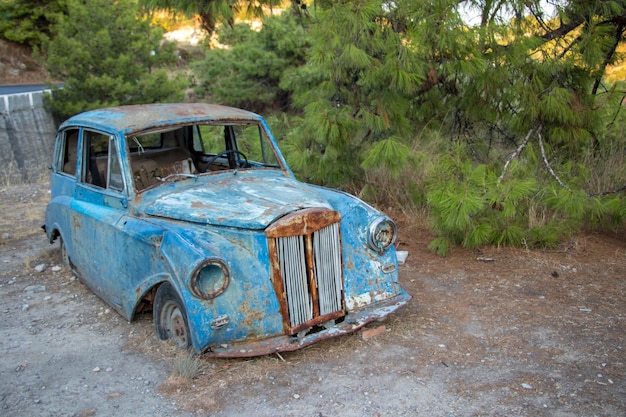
[248,308]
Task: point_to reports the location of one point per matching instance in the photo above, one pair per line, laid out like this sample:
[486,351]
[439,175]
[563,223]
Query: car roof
[134,118]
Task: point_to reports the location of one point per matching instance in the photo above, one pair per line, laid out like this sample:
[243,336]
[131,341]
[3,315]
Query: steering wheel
[224,153]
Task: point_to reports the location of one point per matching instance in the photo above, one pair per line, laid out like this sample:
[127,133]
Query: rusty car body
[190,210]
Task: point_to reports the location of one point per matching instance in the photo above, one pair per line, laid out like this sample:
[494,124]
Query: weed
[187,366]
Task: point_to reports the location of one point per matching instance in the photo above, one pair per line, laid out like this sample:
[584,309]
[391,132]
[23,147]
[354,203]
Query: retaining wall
[27,133]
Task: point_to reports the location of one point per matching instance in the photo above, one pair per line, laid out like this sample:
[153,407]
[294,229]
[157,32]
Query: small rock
[402,255]
[296,396]
[56,268]
[25,307]
[35,288]
[87,413]
[40,267]
[109,369]
[527,386]
[96,369]
[47,298]
[369,333]
[5,236]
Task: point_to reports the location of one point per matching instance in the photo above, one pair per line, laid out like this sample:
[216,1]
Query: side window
[116,182]
[68,152]
[101,166]
[252,142]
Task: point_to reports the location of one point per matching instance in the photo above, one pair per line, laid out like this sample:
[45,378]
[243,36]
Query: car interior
[196,149]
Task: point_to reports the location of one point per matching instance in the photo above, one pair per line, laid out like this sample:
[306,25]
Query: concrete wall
[27,135]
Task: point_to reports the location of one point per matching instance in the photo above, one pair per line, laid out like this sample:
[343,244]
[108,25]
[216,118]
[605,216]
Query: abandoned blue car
[190,211]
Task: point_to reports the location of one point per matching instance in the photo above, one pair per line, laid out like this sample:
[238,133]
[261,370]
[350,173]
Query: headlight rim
[193,283]
[372,231]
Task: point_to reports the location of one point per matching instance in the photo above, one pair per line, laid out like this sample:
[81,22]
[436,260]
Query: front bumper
[352,322]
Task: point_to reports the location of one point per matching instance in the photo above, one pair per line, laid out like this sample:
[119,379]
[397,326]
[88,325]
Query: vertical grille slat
[310,268]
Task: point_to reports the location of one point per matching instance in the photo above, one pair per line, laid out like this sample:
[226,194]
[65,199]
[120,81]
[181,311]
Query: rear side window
[68,152]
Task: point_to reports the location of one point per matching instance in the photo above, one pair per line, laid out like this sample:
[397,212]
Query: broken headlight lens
[210,279]
[381,234]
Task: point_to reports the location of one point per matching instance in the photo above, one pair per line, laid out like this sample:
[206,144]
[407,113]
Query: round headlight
[210,279]
[381,234]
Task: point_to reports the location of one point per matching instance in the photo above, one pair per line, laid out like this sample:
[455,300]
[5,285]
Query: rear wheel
[170,317]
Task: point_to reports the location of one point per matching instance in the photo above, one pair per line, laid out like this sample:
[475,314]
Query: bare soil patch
[19,66]
[497,332]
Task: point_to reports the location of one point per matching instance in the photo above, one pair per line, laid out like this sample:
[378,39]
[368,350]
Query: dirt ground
[500,332]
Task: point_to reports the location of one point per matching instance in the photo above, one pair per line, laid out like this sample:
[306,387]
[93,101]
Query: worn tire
[170,317]
[65,257]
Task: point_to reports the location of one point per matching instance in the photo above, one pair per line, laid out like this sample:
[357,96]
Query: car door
[99,205]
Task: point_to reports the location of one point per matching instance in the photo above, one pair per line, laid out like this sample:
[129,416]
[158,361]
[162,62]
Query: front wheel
[65,257]
[170,317]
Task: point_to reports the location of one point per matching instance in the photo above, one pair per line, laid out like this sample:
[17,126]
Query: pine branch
[617,112]
[547,164]
[619,33]
[619,190]
[538,18]
[564,29]
[519,149]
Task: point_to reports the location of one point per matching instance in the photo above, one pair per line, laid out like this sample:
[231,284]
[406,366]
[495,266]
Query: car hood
[247,200]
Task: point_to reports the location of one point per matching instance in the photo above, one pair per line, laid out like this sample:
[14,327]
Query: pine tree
[354,92]
[248,73]
[29,21]
[108,55]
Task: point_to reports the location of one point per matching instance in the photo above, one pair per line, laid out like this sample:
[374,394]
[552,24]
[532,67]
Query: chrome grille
[327,265]
[310,270]
[291,253]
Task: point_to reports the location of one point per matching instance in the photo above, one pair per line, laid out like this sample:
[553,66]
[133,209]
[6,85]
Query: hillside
[19,66]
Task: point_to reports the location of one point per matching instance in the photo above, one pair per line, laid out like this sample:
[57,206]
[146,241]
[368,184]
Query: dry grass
[10,175]
[607,169]
[187,366]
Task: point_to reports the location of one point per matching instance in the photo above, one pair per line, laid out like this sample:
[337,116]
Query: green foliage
[390,154]
[377,74]
[108,55]
[247,73]
[470,207]
[354,92]
[440,245]
[29,21]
